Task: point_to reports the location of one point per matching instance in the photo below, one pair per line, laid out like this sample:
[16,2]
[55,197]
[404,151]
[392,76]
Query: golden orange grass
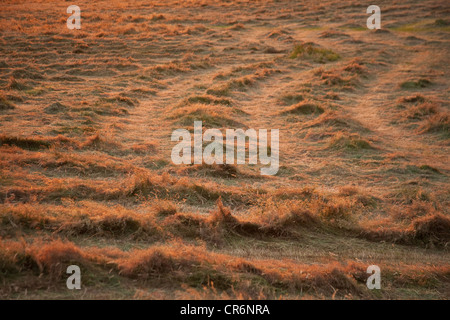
[180,264]
[77,181]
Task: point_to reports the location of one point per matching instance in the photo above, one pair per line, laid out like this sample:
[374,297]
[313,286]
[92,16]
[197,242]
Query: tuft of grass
[56,107]
[413,99]
[102,108]
[241,83]
[53,258]
[355,67]
[312,52]
[434,229]
[335,78]
[101,142]
[334,211]
[411,84]
[349,142]
[5,104]
[24,143]
[225,171]
[165,208]
[210,116]
[290,99]
[441,22]
[15,259]
[28,73]
[36,91]
[205,99]
[336,122]
[333,34]
[219,91]
[144,148]
[439,123]
[294,217]
[332,96]
[110,226]
[426,167]
[122,100]
[141,184]
[18,85]
[422,110]
[222,215]
[304,108]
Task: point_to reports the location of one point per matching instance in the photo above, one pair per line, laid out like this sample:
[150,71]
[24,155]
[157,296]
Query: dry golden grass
[86,176]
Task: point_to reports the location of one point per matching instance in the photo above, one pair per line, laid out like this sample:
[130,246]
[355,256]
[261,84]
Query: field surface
[86,176]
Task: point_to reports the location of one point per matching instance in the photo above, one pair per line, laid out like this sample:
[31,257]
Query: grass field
[86,175]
